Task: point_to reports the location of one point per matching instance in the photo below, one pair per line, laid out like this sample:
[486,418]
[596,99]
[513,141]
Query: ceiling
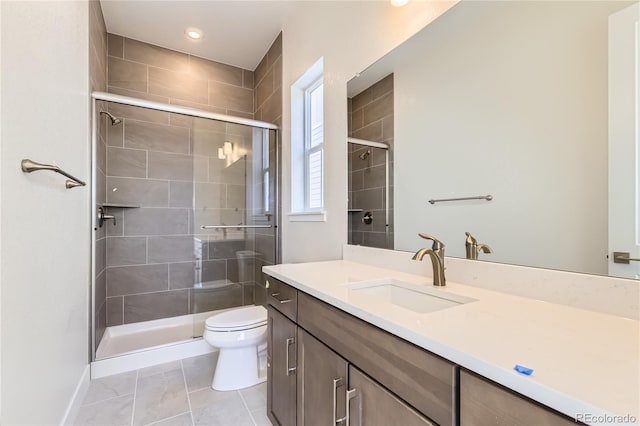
[237,32]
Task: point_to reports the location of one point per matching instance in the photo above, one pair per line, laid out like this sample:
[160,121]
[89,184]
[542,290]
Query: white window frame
[301,149]
[309,150]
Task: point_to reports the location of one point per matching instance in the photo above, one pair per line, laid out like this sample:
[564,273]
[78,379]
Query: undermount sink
[414,297]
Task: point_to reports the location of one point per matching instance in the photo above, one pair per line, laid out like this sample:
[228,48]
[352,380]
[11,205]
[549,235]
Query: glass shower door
[194,202]
[233,215]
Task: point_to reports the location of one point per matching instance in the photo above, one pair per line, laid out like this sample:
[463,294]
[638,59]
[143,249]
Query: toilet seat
[238,319]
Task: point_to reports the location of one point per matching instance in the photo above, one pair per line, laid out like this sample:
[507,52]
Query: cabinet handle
[290,370]
[336,384]
[351,393]
[281,301]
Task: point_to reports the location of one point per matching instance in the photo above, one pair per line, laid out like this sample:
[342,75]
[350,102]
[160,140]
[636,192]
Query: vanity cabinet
[327,367]
[337,353]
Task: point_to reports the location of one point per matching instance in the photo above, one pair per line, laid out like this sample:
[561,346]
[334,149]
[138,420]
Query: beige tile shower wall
[167,164]
[150,72]
[268,103]
[371,118]
[98,82]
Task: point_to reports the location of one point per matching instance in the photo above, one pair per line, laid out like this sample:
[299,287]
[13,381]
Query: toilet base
[239,368]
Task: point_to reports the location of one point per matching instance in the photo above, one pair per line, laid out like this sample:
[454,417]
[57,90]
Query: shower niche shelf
[120,206]
[354,210]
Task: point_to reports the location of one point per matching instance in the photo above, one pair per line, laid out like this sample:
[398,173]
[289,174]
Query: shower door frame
[159,106]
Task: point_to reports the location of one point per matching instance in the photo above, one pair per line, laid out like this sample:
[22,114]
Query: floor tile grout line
[186,388]
[247,408]
[135,395]
[107,399]
[167,418]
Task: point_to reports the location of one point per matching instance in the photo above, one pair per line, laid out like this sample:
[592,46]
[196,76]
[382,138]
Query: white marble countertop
[584,362]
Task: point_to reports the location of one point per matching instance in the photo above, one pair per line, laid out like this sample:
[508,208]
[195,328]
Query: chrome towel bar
[235,226]
[623,257]
[480,197]
[29,166]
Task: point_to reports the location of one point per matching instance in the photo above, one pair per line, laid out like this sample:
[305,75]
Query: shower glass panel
[194,202]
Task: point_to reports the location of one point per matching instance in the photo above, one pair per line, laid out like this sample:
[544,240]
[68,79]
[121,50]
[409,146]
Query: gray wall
[371,118]
[167,165]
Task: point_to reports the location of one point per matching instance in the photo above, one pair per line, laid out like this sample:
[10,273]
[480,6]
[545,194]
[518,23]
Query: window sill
[308,217]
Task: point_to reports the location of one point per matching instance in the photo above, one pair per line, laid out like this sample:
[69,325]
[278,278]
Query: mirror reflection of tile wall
[371,118]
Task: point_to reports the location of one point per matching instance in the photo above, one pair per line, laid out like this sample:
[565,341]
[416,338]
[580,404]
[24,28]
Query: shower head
[365,154]
[114,120]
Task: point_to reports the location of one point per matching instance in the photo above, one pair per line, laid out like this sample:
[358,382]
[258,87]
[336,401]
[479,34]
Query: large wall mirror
[532,107]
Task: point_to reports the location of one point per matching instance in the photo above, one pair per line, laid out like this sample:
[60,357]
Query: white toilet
[241,336]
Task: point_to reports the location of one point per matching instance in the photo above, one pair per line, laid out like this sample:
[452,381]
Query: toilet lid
[238,319]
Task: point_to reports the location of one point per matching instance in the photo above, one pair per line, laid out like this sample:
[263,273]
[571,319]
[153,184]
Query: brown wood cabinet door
[483,403]
[322,383]
[372,405]
[281,369]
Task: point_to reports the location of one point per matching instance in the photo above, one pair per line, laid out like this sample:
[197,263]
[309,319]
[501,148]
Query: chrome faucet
[473,248]
[436,254]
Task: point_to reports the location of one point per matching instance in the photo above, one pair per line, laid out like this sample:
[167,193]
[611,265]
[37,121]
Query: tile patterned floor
[174,394]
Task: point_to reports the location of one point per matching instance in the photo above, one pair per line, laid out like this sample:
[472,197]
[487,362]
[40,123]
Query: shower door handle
[290,370]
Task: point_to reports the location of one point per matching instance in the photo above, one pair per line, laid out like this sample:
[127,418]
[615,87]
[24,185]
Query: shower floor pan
[132,346]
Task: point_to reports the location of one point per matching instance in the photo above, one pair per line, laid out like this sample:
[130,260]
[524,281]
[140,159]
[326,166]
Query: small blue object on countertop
[523,370]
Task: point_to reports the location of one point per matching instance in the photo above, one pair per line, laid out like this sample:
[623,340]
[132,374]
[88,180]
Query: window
[313,152]
[307,146]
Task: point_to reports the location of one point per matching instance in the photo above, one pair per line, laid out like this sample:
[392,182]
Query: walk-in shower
[193,200]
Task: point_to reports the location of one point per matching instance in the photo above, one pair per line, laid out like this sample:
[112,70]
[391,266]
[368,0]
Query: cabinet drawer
[283,297]
[424,380]
[484,403]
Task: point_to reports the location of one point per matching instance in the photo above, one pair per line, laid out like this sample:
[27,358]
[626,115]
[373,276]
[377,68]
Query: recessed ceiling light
[399,3]
[193,33]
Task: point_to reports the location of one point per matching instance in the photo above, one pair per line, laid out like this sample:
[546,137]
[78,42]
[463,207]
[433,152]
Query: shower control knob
[102,217]
[367,218]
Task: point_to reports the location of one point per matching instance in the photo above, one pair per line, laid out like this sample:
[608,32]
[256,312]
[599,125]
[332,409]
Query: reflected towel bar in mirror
[235,226]
[29,166]
[480,197]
